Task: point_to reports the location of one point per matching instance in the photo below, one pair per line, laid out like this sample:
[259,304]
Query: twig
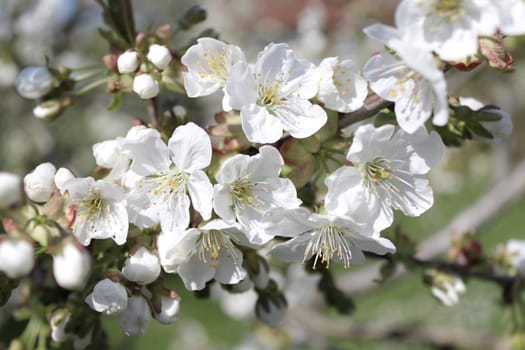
[373,104]
[151,105]
[343,328]
[480,213]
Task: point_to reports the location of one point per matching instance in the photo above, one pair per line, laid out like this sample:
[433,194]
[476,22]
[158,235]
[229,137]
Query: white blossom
[17,257]
[145,86]
[71,266]
[58,322]
[511,14]
[136,318]
[411,80]
[100,210]
[10,189]
[341,86]
[170,172]
[209,63]
[449,27]
[201,254]
[388,171]
[62,176]
[273,95]
[248,187]
[447,289]
[34,82]
[513,252]
[128,62]
[108,297]
[159,55]
[169,309]
[325,238]
[142,267]
[39,185]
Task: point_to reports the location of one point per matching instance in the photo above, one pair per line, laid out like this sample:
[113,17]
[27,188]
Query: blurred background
[65,32]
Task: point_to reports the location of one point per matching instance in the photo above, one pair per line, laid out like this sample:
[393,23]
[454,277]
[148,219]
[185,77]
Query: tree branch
[373,104]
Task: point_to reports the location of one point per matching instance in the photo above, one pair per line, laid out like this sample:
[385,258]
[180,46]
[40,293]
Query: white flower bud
[17,258]
[47,109]
[10,189]
[128,62]
[39,184]
[145,86]
[106,153]
[142,267]
[159,55]
[108,297]
[71,266]
[58,323]
[136,318]
[62,176]
[34,82]
[169,309]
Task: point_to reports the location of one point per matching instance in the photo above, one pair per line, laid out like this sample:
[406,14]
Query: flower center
[243,193]
[218,64]
[377,171]
[328,243]
[447,9]
[269,94]
[211,244]
[171,182]
[92,208]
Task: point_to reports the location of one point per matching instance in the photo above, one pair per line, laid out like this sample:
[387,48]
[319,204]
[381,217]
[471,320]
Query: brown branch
[151,105]
[373,104]
[510,189]
[315,324]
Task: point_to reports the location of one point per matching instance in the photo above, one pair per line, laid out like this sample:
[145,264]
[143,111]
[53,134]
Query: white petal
[201,193]
[259,125]
[301,118]
[195,274]
[241,87]
[190,147]
[223,203]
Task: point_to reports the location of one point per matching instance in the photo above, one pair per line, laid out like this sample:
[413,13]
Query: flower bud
[142,267]
[71,266]
[39,184]
[34,82]
[145,86]
[108,297]
[48,109]
[106,153]
[136,318]
[17,258]
[58,323]
[270,309]
[62,176]
[159,55]
[194,15]
[10,189]
[169,309]
[128,62]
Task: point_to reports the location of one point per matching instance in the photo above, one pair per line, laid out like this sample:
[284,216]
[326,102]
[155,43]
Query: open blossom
[341,86]
[209,63]
[412,81]
[108,297]
[388,171]
[172,174]
[511,14]
[448,27]
[248,187]
[100,210]
[325,238]
[273,95]
[447,288]
[201,254]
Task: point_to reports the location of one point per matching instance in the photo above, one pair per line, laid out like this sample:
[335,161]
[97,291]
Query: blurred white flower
[39,184]
[447,289]
[58,322]
[511,14]
[128,62]
[34,82]
[136,318]
[108,297]
[145,86]
[513,252]
[10,189]
[159,55]
[17,257]
[71,266]
[142,267]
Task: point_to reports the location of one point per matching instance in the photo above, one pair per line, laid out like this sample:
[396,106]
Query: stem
[89,75]
[373,104]
[151,105]
[92,86]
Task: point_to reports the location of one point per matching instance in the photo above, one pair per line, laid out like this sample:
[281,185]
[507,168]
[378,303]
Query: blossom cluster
[176,203]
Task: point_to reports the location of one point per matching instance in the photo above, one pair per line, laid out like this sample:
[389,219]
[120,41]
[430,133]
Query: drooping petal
[301,118]
[190,147]
[259,125]
[201,193]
